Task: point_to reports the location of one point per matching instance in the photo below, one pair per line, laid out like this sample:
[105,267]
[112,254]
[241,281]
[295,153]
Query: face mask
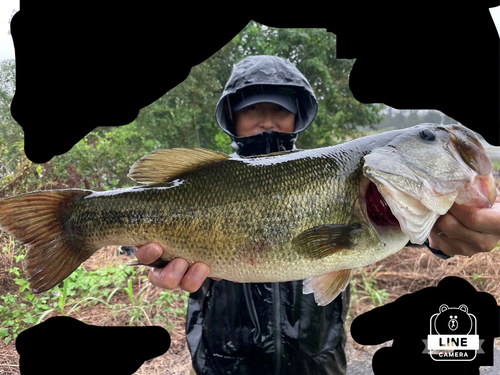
[264,143]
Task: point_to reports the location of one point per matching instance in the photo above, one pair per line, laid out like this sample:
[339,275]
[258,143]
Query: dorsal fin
[165,165]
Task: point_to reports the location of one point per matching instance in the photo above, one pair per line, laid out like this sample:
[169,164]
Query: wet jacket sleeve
[436,252]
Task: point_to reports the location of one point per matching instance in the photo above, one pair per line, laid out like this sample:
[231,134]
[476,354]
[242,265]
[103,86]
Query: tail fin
[36,219]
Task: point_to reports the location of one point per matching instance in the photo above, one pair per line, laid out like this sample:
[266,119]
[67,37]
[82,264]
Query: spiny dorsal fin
[327,287]
[165,165]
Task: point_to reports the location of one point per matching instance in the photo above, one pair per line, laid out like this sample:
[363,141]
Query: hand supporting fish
[313,214]
[177,273]
[466,230]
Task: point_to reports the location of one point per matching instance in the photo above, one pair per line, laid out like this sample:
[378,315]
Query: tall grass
[122,291]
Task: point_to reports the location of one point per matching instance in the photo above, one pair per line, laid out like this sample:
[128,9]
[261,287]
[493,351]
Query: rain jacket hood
[263,70]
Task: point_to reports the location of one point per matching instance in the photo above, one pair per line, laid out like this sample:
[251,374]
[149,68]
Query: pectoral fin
[325,240]
[327,287]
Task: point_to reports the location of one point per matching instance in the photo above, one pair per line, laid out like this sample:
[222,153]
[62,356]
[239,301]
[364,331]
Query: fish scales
[263,208]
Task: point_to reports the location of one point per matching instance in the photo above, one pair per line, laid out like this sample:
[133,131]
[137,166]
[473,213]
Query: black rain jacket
[265,328]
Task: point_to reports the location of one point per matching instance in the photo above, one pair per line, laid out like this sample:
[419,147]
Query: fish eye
[427,135]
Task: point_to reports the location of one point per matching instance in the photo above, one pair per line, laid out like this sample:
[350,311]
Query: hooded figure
[271,79]
[265,328]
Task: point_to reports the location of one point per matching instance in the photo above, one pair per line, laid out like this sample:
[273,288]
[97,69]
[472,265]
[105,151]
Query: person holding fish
[282,230]
[272,327]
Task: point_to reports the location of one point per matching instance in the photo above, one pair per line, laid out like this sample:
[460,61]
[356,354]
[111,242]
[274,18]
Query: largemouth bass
[312,214]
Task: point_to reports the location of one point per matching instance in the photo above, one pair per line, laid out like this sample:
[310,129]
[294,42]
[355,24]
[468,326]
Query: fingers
[448,245]
[457,239]
[467,230]
[484,220]
[148,253]
[170,276]
[176,273]
[194,277]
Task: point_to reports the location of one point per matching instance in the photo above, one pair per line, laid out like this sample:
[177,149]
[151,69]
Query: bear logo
[453,320]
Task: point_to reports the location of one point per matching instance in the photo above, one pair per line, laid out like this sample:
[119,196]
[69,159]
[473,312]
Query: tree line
[185,116]
[395,119]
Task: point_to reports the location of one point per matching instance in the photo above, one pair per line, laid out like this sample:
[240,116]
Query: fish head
[421,171]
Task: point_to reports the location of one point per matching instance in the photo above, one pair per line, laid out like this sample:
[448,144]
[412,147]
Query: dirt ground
[407,271]
[413,269]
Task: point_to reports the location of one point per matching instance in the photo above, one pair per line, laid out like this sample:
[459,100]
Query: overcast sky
[6,45]
[7,6]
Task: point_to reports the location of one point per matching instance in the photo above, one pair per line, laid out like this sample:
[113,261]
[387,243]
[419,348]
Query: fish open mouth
[377,208]
[389,209]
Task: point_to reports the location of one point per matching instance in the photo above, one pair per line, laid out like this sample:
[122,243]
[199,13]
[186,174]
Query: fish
[315,215]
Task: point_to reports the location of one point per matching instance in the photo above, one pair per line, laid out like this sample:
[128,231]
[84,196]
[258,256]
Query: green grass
[364,287]
[368,289]
[113,286]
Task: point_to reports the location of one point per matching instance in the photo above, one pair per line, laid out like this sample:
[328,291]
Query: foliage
[368,288]
[394,119]
[23,309]
[185,116]
[313,51]
[7,89]
[477,278]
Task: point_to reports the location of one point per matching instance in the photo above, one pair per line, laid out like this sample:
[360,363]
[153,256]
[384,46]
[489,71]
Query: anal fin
[327,287]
